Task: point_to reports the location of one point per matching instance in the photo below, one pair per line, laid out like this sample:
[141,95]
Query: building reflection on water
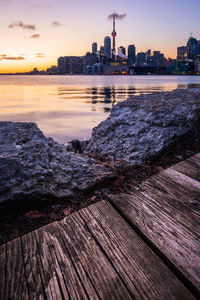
[103,98]
[65,110]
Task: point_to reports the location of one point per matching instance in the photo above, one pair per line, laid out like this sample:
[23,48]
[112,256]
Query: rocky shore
[34,166]
[40,178]
[143,127]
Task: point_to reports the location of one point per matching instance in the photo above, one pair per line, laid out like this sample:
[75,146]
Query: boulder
[144,126]
[37,167]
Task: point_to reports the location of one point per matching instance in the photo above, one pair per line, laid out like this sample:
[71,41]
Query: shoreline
[16,220]
[11,74]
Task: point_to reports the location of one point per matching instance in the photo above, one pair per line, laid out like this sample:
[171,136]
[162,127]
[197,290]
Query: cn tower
[114,33]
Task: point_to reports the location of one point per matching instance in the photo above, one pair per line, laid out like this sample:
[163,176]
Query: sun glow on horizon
[31,36]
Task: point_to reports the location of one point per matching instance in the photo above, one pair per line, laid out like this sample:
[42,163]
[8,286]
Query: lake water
[68,107]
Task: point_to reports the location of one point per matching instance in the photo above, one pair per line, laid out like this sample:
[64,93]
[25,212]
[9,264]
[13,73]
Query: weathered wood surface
[166,212]
[189,167]
[92,254]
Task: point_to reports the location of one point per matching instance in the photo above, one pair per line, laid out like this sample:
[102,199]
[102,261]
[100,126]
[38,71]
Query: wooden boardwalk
[143,245]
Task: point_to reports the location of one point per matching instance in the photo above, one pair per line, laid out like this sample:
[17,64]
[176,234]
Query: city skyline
[35,34]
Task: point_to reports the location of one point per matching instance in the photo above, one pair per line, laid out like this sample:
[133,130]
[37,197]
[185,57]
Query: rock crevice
[33,165]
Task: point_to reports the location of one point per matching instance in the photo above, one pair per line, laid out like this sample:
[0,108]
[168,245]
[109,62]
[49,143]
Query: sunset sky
[35,33]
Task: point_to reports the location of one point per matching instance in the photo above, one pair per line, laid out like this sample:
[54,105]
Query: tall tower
[114,33]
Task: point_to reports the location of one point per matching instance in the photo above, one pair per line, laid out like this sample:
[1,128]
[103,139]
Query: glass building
[94,48]
[192,48]
[107,47]
[131,55]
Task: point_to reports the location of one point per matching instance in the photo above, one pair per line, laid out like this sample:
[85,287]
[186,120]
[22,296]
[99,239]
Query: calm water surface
[68,107]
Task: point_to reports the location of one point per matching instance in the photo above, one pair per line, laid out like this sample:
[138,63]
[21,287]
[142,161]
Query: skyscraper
[89,60]
[158,58]
[181,53]
[192,48]
[61,65]
[141,57]
[123,50]
[94,48]
[101,50]
[107,47]
[131,55]
[148,53]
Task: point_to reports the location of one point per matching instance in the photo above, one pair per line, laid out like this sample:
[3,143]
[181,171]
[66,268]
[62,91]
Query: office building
[122,50]
[192,48]
[131,55]
[61,65]
[141,58]
[94,48]
[148,53]
[182,53]
[107,47]
[158,58]
[101,50]
[70,65]
[89,60]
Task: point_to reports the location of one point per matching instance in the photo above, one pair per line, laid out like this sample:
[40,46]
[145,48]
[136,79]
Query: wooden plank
[188,168]
[46,277]
[144,274]
[170,205]
[195,159]
[38,288]
[100,279]
[50,269]
[57,260]
[3,278]
[92,254]
[164,227]
[184,190]
[12,286]
[65,269]
[188,183]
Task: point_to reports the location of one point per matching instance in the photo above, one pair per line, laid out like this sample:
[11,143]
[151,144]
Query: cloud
[39,55]
[4,56]
[56,24]
[22,25]
[35,36]
[117,16]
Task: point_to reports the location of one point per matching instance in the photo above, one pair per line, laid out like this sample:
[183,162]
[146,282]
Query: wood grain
[12,286]
[183,189]
[33,269]
[144,274]
[171,230]
[73,277]
[189,168]
[95,270]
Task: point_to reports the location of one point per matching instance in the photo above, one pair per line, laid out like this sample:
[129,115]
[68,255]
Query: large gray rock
[33,166]
[143,126]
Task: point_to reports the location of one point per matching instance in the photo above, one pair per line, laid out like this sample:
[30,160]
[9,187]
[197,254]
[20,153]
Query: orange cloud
[35,36]
[4,56]
[40,55]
